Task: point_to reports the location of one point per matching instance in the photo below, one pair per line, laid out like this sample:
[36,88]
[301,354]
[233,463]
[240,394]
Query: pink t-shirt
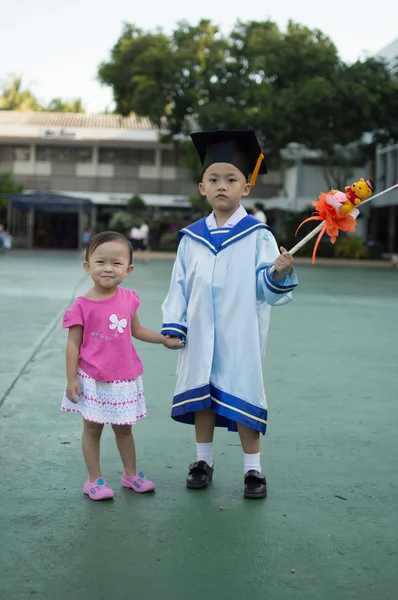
[107,352]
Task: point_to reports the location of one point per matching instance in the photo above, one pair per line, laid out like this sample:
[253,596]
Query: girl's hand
[173,343]
[73,390]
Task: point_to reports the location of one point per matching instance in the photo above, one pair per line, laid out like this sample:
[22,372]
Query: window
[63,154]
[11,153]
[84,155]
[126,156]
[169,158]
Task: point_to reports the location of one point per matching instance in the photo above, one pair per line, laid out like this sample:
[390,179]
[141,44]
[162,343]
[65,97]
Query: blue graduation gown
[219,302]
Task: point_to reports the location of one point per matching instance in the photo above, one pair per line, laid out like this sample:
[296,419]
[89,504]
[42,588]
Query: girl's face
[109,265]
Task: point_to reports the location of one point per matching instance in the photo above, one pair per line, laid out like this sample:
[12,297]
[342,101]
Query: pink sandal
[139,483]
[98,490]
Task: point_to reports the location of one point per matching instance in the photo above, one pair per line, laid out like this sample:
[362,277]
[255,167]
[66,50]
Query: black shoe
[200,475]
[255,485]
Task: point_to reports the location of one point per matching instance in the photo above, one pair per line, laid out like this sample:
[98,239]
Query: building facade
[390,55]
[383,221]
[105,158]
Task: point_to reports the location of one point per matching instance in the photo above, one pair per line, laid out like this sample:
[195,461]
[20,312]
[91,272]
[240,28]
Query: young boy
[219,301]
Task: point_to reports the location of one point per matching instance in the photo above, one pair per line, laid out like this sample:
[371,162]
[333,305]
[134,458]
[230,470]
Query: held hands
[173,343]
[283,265]
[73,391]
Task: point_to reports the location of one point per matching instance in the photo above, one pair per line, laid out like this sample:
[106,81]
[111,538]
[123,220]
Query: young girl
[103,368]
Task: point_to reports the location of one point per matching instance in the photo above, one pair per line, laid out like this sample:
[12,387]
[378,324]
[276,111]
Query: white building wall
[387,174]
[390,54]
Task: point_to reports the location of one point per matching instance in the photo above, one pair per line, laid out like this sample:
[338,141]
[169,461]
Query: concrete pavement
[330,455]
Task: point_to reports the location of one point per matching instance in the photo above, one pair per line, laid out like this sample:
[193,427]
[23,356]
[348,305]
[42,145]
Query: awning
[48,202]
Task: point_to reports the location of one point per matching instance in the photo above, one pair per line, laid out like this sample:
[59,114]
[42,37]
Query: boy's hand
[73,391]
[172,342]
[283,264]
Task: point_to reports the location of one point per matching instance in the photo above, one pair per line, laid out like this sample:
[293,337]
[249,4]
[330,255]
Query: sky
[56,47]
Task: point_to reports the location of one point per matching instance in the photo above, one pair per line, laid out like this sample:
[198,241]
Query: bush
[350,246]
[375,250]
[169,241]
[122,222]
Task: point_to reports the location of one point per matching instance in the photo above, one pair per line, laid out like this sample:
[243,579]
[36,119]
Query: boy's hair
[259,205]
[108,236]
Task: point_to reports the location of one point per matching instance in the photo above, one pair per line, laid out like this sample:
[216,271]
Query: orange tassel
[256,170]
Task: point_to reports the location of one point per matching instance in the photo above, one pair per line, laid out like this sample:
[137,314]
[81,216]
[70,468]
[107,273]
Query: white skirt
[108,402]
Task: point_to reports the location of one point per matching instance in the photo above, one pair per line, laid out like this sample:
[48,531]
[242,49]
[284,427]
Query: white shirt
[233,220]
[260,216]
[135,234]
[144,231]
[141,233]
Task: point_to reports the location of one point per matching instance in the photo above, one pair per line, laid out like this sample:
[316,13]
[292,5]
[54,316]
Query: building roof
[48,202]
[75,120]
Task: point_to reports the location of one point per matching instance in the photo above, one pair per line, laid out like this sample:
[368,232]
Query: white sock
[251,462]
[205,452]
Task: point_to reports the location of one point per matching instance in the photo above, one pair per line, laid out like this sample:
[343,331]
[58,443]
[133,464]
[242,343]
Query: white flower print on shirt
[115,323]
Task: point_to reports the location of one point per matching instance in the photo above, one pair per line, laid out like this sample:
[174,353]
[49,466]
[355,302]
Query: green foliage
[14,97]
[200,206]
[285,226]
[69,106]
[189,159]
[136,206]
[8,186]
[287,85]
[374,251]
[168,241]
[122,222]
[350,246]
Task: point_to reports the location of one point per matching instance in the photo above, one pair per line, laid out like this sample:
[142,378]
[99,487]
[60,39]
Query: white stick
[379,194]
[319,227]
[302,242]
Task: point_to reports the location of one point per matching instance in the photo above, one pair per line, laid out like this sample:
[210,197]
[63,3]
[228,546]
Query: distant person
[144,229]
[86,237]
[7,241]
[139,239]
[103,369]
[259,214]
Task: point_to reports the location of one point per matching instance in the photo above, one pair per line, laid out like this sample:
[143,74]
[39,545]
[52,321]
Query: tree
[289,86]
[166,79]
[123,220]
[14,97]
[7,186]
[263,77]
[136,206]
[69,106]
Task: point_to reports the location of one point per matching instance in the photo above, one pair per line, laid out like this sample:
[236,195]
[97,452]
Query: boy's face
[224,185]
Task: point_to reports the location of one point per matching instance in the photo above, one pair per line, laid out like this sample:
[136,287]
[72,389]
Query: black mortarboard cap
[238,147]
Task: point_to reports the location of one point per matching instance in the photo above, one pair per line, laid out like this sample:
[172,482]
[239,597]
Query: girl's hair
[108,236]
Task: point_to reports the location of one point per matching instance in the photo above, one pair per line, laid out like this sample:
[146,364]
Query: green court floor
[328,529]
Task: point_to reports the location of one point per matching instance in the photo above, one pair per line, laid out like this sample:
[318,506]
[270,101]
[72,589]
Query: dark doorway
[56,230]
